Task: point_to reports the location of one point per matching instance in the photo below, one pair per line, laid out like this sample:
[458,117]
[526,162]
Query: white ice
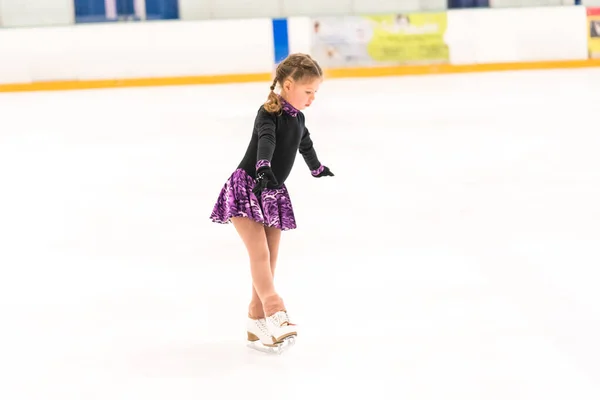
[454,256]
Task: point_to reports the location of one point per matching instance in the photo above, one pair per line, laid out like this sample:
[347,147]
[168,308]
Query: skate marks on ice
[214,360]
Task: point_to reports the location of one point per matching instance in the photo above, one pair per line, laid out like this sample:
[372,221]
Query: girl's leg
[273,238]
[255,239]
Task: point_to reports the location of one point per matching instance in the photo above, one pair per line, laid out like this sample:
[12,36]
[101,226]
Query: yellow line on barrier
[365,72]
[453,69]
[134,82]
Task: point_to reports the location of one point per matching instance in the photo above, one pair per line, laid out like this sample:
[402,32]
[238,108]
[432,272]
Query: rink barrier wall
[237,51]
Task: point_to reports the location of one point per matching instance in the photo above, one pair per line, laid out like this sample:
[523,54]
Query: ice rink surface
[455,255]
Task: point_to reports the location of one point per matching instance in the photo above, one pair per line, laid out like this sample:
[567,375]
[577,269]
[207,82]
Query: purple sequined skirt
[273,209]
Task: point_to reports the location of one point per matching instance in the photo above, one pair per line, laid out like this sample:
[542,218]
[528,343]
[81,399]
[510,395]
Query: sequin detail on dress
[288,108]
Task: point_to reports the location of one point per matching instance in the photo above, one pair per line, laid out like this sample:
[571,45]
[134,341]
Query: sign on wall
[398,39]
[125,10]
[593,22]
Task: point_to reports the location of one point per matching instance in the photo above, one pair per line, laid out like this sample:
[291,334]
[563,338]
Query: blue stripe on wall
[162,9]
[280,39]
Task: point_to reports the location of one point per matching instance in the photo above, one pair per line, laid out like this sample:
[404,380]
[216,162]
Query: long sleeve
[308,152]
[265,127]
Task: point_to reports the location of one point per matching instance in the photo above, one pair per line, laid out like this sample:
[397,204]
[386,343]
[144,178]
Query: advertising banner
[593,32]
[362,41]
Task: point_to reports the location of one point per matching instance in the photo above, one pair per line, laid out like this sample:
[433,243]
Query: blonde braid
[272,104]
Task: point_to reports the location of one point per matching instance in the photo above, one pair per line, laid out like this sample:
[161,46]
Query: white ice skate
[271,335]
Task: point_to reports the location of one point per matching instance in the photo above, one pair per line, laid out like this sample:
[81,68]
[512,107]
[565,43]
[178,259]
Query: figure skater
[255,198]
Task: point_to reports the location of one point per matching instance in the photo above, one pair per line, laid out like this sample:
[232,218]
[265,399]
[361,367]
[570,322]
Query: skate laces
[281,318]
[262,324]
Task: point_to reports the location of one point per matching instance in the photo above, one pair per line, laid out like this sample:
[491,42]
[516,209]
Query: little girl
[255,198]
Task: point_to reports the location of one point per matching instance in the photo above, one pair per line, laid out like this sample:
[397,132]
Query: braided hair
[297,67]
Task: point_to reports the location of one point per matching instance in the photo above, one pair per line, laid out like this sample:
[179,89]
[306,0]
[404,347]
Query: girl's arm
[265,126]
[309,153]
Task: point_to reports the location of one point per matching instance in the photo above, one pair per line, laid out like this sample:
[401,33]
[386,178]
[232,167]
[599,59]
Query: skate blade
[277,349]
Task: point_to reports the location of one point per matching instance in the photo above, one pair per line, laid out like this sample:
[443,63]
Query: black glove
[325,172]
[264,178]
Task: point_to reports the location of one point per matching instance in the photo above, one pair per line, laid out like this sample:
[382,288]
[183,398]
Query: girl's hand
[264,178]
[322,171]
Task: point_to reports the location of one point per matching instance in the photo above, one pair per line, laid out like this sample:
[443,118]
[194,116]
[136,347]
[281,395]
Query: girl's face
[300,94]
